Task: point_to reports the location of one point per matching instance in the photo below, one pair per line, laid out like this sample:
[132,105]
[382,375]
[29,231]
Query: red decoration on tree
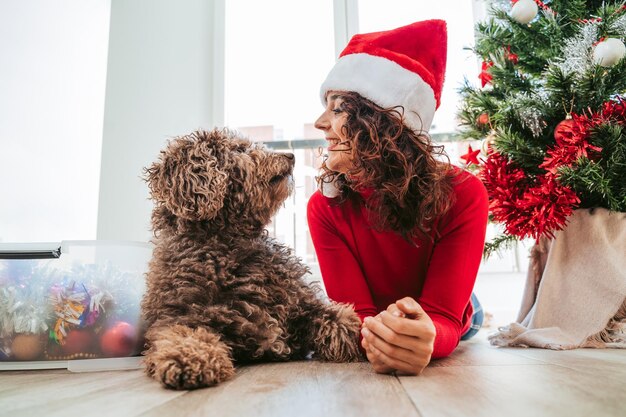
[615,110]
[471,157]
[485,76]
[592,20]
[483,119]
[527,207]
[571,143]
[566,127]
[511,56]
[543,209]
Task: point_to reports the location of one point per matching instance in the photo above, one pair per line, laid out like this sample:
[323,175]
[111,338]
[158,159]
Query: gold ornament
[27,346]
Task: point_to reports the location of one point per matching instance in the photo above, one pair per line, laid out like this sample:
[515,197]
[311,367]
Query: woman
[398,233]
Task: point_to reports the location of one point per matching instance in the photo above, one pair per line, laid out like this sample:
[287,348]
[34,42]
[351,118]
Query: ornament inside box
[73,304]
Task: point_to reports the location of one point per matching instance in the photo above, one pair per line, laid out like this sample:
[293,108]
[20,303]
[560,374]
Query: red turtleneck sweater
[374,269]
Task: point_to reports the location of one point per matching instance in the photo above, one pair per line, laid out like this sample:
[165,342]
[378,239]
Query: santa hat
[399,67]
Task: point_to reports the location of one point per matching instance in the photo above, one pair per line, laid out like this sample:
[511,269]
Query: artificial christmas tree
[551,106]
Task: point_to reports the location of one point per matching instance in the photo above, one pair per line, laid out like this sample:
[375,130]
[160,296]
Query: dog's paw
[175,374]
[184,358]
[338,336]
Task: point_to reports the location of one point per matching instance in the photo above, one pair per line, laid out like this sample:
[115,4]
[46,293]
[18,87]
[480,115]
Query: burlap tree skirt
[575,294]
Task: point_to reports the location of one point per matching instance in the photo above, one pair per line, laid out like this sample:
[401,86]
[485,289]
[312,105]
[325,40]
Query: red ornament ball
[78,341]
[119,340]
[483,119]
[564,129]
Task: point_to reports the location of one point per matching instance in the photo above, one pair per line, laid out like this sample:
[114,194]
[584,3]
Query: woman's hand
[399,339]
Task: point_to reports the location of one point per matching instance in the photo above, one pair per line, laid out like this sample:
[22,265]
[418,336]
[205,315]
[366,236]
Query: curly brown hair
[411,188]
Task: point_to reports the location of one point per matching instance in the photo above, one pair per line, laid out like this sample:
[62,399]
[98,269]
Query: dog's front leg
[184,358]
[336,333]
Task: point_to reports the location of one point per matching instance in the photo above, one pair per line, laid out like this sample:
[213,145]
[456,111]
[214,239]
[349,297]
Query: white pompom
[524,11]
[329,189]
[608,52]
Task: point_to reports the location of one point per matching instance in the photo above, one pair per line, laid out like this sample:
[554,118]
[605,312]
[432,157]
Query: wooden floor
[477,380]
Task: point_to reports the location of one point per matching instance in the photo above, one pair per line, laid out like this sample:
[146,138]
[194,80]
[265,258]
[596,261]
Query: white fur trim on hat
[385,83]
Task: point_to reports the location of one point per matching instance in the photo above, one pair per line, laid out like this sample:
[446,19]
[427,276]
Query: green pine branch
[526,153]
[497,244]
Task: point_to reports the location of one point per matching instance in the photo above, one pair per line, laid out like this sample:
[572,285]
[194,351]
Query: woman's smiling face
[331,122]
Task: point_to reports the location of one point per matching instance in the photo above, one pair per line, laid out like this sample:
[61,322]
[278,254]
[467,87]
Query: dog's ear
[188,182]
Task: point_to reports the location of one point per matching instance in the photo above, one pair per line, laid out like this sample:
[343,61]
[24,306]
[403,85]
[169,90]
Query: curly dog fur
[219,290]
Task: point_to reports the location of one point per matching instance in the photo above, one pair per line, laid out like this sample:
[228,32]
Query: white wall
[159,85]
[52,79]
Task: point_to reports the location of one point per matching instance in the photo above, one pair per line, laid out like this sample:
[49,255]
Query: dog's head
[219,177]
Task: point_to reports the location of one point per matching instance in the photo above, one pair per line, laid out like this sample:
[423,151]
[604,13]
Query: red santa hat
[399,67]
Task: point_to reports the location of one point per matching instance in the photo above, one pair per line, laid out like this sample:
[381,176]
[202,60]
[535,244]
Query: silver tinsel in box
[71,304]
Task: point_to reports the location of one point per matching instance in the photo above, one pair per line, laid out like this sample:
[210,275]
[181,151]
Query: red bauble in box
[119,340]
[78,341]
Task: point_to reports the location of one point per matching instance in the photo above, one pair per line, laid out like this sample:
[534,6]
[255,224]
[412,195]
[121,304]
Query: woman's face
[331,123]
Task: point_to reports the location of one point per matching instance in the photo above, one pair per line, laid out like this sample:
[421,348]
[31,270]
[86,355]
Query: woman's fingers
[377,365]
[382,330]
[395,364]
[392,351]
[410,307]
[422,327]
[394,310]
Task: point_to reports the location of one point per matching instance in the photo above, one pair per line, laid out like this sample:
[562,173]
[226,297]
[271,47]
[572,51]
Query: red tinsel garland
[527,207]
[615,110]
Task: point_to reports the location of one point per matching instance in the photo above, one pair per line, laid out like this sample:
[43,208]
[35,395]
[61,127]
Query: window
[52,80]
[277,53]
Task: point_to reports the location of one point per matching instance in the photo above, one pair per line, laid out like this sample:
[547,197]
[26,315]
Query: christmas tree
[551,109]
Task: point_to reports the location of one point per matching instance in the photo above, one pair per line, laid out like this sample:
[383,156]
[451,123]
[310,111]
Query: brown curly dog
[219,290]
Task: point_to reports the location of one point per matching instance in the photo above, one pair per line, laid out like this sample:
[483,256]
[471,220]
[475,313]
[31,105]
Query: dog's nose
[289,156]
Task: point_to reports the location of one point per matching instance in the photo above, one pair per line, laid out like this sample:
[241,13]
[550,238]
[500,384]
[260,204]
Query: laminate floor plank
[473,353]
[515,390]
[302,389]
[115,393]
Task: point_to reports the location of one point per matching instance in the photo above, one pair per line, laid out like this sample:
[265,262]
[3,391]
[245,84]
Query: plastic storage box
[73,304]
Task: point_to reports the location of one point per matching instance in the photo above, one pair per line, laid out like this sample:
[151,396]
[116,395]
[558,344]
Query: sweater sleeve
[454,263]
[341,272]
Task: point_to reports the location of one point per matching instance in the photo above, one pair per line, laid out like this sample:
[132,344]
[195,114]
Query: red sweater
[374,269]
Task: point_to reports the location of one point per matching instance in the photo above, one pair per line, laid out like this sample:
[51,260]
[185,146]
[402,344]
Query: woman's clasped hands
[399,339]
